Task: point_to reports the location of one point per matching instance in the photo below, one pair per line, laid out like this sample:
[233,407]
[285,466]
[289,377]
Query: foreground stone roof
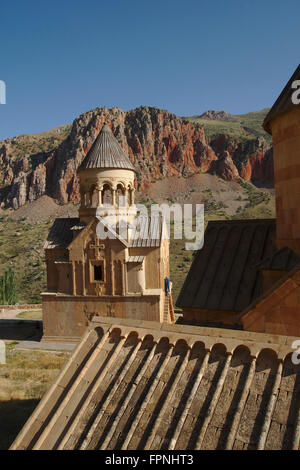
[143,385]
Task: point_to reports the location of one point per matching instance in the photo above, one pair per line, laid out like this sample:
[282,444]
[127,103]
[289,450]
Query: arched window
[107,194]
[121,195]
[94,196]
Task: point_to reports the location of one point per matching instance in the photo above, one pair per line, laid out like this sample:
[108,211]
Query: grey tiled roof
[79,226]
[61,235]
[106,152]
[148,232]
[135,259]
[283,102]
[145,234]
[224,274]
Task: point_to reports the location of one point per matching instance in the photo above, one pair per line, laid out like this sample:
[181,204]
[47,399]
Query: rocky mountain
[241,127]
[212,115]
[158,143]
[253,159]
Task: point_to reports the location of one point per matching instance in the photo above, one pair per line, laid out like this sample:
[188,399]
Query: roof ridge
[242,221]
[283,102]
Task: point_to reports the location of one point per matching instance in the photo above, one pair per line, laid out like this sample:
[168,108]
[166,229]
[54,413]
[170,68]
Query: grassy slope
[31,315]
[239,126]
[21,247]
[24,379]
[30,144]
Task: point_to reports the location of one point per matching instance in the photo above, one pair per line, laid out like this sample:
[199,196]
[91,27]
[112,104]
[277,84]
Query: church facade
[94,267]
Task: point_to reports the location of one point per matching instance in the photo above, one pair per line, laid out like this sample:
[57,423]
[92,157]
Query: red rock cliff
[158,143]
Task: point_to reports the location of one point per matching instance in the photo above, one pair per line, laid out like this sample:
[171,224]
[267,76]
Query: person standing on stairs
[167,285]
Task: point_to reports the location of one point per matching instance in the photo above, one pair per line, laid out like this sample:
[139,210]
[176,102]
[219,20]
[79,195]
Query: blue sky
[62,58]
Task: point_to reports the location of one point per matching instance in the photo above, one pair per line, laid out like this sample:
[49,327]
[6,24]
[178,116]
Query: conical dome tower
[106,176]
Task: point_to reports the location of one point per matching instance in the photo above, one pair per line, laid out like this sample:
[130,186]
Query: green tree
[8,289]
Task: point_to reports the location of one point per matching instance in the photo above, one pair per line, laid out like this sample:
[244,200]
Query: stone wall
[65,318]
[278,310]
[286,141]
[21,307]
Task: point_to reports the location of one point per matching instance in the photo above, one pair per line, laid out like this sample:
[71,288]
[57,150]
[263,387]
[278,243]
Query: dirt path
[11,314]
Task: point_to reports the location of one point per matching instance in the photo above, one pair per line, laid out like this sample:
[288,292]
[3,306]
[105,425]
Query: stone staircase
[170,387]
[169,316]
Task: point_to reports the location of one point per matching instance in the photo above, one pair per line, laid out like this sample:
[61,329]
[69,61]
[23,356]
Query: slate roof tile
[106,152]
[224,274]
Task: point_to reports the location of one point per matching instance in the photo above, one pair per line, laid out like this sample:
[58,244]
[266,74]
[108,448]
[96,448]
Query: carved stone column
[123,266]
[132,196]
[83,278]
[113,193]
[74,276]
[99,190]
[112,279]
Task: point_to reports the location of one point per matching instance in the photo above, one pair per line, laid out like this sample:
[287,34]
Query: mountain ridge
[159,144]
[240,126]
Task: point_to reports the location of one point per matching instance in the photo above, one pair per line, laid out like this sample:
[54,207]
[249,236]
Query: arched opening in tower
[107,194]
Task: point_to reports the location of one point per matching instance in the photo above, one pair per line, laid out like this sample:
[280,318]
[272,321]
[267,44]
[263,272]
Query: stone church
[118,274]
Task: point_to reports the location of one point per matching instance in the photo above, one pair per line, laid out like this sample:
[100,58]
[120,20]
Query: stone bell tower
[106,177]
[283,123]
